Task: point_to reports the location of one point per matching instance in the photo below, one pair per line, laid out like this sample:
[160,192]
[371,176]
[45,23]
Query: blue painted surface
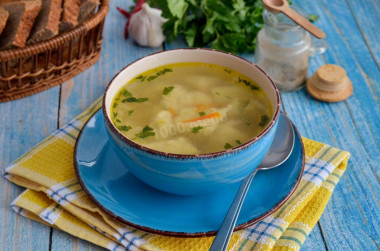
[351,219]
[108,180]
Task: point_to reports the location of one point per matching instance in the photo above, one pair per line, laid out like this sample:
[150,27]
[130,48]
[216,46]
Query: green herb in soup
[191,108]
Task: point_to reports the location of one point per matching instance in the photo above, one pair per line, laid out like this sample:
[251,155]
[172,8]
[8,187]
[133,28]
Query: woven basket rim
[59,39]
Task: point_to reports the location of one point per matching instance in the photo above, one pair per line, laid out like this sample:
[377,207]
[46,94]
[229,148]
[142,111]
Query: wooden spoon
[283,7]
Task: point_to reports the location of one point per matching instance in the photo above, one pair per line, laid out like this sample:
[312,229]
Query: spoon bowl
[279,151]
[283,7]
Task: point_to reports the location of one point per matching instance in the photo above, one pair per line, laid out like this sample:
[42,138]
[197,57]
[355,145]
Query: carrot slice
[172,112]
[203,107]
[207,116]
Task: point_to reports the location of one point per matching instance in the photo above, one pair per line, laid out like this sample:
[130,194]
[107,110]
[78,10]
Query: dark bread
[47,22]
[87,9]
[3,18]
[20,21]
[70,14]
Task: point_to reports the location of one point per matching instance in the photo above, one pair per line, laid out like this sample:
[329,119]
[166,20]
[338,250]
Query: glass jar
[283,49]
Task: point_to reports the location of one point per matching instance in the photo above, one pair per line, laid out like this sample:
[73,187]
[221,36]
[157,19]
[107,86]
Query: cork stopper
[329,83]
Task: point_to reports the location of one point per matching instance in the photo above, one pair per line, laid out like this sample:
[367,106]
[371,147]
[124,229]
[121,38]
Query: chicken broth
[191,108]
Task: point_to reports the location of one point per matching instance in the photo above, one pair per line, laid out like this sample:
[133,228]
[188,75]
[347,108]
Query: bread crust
[22,15]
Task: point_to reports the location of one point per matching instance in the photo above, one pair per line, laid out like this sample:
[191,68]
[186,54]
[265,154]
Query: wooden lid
[329,83]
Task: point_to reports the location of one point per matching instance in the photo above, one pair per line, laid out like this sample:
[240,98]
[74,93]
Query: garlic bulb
[145,26]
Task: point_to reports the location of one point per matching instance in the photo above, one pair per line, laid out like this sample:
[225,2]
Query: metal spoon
[283,6]
[278,153]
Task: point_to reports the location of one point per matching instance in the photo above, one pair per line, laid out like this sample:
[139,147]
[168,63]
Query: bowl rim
[234,150]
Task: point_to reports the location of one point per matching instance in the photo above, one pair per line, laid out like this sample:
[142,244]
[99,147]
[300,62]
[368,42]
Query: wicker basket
[37,67]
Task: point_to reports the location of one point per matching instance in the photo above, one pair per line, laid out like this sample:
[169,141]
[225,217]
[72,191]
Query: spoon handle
[222,239]
[306,24]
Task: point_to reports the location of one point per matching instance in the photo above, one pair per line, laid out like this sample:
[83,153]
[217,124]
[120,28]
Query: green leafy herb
[217,93]
[142,78]
[115,114]
[201,113]
[164,71]
[196,129]
[130,112]
[146,132]
[238,142]
[313,17]
[134,100]
[114,105]
[227,146]
[126,93]
[118,121]
[264,120]
[254,87]
[124,128]
[150,78]
[228,71]
[249,84]
[224,25]
[167,90]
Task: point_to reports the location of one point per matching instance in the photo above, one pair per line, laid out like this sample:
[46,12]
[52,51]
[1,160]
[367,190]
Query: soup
[191,108]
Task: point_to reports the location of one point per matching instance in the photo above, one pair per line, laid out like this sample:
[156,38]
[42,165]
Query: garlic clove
[145,26]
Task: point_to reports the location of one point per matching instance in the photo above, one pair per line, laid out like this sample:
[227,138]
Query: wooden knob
[329,83]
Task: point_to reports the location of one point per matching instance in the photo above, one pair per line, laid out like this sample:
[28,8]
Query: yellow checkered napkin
[55,198]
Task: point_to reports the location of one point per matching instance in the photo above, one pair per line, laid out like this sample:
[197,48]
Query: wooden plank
[350,220]
[63,241]
[358,35]
[80,92]
[23,124]
[367,17]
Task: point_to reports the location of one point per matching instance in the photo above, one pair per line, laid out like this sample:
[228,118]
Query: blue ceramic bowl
[191,174]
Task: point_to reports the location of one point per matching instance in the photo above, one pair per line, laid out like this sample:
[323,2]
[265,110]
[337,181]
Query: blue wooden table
[351,220]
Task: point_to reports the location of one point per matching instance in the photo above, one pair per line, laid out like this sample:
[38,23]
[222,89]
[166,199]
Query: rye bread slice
[70,14]
[3,18]
[87,9]
[20,21]
[47,22]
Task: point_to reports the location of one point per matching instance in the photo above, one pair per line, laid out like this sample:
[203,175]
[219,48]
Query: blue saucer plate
[118,193]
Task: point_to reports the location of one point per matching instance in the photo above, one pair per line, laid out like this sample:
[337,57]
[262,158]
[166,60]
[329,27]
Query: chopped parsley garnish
[146,132]
[217,93]
[264,120]
[150,78]
[115,104]
[196,129]
[201,113]
[118,121]
[142,78]
[115,114]
[254,87]
[130,112]
[313,17]
[249,84]
[167,90]
[227,146]
[134,100]
[124,128]
[164,71]
[238,142]
[126,93]
[228,71]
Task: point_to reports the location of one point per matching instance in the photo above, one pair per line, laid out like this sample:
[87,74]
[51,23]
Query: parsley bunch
[228,25]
